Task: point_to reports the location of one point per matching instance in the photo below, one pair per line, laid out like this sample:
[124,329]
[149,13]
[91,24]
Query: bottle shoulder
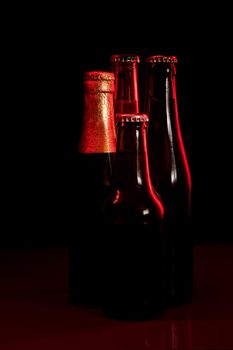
[132,206]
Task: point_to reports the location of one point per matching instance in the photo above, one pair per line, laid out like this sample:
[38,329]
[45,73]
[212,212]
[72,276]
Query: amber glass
[134,215]
[125,68]
[170,175]
[96,149]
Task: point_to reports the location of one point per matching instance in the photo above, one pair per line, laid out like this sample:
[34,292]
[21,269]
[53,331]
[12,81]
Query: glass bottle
[125,68]
[170,174]
[96,148]
[134,216]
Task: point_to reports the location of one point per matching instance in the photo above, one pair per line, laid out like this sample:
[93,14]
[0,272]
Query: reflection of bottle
[170,174]
[168,335]
[181,335]
[125,68]
[96,149]
[134,213]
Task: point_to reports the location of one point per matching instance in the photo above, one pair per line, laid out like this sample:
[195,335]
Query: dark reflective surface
[35,312]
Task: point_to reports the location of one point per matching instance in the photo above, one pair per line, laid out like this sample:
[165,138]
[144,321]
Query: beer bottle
[133,215]
[96,148]
[170,174]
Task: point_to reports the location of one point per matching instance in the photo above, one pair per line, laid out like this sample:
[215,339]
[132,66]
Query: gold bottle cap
[99,81]
[162,58]
[132,117]
[125,58]
[99,75]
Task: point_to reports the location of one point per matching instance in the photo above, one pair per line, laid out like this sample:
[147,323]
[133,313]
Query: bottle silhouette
[134,215]
[96,148]
[170,175]
[125,68]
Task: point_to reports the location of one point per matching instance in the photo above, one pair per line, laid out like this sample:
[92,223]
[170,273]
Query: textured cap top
[162,58]
[132,117]
[99,81]
[125,58]
[99,75]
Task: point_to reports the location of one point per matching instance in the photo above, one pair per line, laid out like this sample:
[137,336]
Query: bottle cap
[162,58]
[99,81]
[132,118]
[99,75]
[125,58]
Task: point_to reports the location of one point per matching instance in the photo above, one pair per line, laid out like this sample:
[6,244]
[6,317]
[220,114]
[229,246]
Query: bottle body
[96,149]
[134,215]
[134,286]
[85,249]
[170,175]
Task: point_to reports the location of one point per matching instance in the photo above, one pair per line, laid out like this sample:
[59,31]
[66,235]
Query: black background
[46,54]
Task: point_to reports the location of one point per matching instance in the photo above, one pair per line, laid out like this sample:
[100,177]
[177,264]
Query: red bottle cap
[125,58]
[132,118]
[162,58]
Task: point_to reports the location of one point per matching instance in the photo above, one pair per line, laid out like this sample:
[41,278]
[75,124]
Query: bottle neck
[160,96]
[126,87]
[98,129]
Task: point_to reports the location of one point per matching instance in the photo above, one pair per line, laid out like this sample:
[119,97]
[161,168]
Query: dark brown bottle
[133,215]
[96,149]
[170,175]
[125,68]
